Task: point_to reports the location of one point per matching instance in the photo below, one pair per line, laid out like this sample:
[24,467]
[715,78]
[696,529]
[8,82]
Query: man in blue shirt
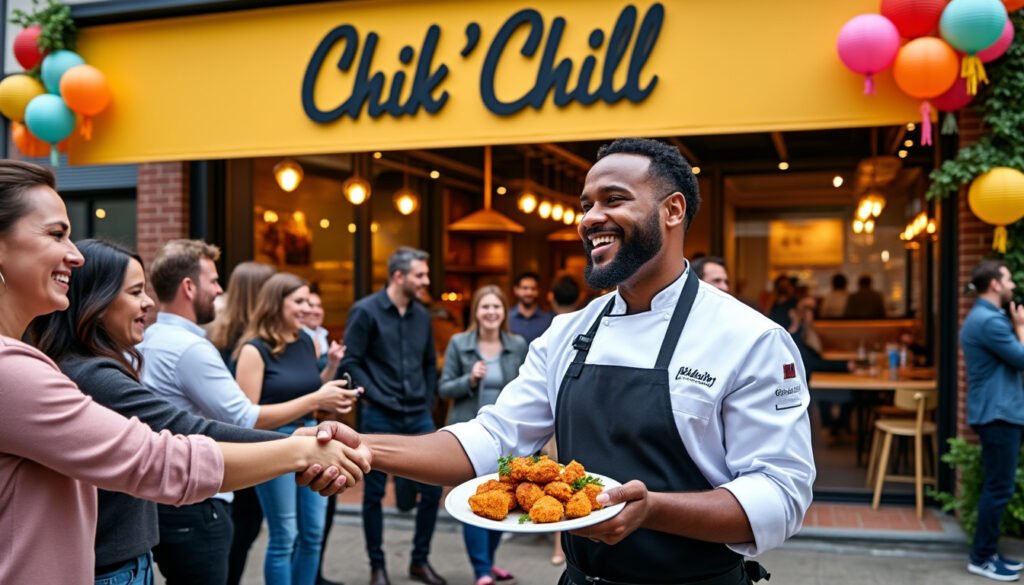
[526,318]
[994,359]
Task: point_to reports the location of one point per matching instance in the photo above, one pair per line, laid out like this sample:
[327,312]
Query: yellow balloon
[16,91]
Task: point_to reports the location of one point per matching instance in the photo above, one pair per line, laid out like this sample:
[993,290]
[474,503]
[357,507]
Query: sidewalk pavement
[840,557]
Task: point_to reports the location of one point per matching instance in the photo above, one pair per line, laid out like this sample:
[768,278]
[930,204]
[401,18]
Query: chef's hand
[631,517]
[332,480]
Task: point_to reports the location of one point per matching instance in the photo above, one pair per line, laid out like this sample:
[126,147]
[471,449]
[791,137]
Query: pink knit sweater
[56,447]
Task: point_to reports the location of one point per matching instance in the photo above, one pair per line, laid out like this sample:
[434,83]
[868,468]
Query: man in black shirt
[390,352]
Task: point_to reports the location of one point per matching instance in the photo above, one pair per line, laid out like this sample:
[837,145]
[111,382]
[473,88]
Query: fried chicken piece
[520,467]
[572,472]
[578,505]
[546,510]
[591,490]
[543,471]
[559,490]
[527,495]
[493,504]
[493,485]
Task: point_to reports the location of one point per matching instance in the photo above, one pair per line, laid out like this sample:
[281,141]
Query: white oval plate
[457,505]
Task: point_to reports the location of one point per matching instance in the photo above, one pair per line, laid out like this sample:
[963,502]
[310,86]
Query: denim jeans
[194,543]
[480,544]
[373,419]
[295,520]
[1000,448]
[138,571]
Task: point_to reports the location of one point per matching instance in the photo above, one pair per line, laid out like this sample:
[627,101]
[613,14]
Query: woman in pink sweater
[57,445]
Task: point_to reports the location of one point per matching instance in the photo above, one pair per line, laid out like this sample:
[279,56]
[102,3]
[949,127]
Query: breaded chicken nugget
[572,472]
[591,490]
[520,467]
[578,505]
[527,494]
[559,490]
[543,471]
[494,504]
[493,485]
[546,510]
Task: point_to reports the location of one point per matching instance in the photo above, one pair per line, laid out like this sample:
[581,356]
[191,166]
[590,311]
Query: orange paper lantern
[28,144]
[1013,5]
[925,68]
[85,90]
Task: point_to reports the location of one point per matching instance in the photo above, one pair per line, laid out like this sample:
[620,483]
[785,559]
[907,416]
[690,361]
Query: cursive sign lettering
[562,80]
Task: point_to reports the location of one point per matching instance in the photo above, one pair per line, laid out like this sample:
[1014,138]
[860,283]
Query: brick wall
[162,206]
[975,241]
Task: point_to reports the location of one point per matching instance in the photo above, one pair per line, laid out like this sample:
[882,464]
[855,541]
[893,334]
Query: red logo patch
[788,371]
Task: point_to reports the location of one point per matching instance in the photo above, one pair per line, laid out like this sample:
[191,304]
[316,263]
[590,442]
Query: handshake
[341,460]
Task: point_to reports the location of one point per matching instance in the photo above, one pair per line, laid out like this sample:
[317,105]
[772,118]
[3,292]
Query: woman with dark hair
[93,343]
[56,444]
[276,363]
[477,365]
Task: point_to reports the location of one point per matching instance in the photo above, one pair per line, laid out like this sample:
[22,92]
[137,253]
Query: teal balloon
[49,118]
[972,25]
[57,62]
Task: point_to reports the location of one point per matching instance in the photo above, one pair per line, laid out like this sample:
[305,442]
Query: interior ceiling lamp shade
[486,219]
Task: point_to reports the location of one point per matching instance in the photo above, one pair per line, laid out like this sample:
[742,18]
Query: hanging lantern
[924,69]
[288,175]
[999,47]
[85,90]
[971,26]
[26,47]
[867,44]
[16,91]
[406,201]
[955,98]
[913,18]
[997,198]
[528,202]
[27,144]
[1013,5]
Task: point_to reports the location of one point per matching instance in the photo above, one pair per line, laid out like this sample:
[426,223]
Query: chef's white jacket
[738,391]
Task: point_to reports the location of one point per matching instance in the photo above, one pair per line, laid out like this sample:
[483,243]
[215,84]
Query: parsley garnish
[524,518]
[536,458]
[505,466]
[587,480]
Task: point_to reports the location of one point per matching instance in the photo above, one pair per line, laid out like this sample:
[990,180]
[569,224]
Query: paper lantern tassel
[54,156]
[926,123]
[999,239]
[86,128]
[869,85]
[973,70]
[949,125]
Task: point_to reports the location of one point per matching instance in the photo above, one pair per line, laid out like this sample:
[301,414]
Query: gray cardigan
[458,363]
[126,526]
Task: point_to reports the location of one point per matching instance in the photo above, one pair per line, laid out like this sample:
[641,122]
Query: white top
[738,391]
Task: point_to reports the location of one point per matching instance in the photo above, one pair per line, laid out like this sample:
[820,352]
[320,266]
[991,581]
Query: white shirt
[738,391]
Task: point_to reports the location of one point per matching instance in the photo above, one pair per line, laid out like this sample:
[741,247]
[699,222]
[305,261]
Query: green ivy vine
[1002,108]
[59,30]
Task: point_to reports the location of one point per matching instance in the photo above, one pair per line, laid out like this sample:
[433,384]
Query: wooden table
[858,383]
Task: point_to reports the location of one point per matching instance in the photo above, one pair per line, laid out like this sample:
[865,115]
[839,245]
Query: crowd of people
[164,419]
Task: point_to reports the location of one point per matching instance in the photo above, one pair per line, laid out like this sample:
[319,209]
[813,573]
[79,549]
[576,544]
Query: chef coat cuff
[765,511]
[480,446]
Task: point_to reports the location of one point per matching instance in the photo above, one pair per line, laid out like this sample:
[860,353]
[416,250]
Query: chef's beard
[633,253]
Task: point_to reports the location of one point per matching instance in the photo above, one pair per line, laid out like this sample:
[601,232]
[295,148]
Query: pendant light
[406,200]
[486,219]
[288,175]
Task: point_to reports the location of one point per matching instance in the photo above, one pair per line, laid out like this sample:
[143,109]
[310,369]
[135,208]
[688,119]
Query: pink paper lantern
[999,47]
[867,45]
[956,97]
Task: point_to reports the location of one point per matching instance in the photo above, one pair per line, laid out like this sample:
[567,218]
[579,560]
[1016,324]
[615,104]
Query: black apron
[617,421]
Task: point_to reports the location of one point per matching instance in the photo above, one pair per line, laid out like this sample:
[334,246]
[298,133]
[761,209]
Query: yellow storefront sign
[385,75]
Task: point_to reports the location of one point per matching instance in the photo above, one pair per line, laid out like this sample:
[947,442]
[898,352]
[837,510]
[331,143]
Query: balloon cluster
[45,103]
[936,49]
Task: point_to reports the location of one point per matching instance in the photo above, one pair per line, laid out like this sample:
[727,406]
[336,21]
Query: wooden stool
[918,402]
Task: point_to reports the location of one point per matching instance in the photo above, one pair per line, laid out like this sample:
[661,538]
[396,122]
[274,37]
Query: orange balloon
[1013,5]
[85,90]
[926,67]
[28,144]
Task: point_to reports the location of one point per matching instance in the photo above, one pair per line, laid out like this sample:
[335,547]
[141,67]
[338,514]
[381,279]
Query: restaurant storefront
[472,105]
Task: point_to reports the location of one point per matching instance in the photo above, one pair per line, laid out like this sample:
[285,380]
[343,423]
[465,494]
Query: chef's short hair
[668,167]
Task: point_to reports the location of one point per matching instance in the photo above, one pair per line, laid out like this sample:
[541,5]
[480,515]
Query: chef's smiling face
[621,227]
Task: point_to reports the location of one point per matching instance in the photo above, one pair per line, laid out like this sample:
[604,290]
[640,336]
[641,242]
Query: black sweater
[127,527]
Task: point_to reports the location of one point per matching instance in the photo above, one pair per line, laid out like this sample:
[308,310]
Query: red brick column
[161,206]
[975,241]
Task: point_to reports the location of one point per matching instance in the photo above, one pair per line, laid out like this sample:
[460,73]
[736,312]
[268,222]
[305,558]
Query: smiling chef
[692,400]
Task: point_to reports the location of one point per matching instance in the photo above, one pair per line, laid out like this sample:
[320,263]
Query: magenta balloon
[868,43]
[956,97]
[999,47]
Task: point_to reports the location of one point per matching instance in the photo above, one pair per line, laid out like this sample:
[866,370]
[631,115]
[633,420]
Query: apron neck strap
[675,326]
[583,341]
